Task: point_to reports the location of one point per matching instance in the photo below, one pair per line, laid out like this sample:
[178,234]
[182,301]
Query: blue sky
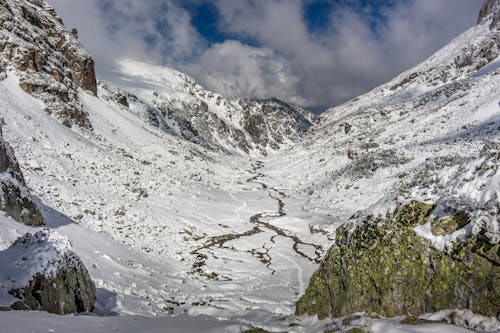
[316,53]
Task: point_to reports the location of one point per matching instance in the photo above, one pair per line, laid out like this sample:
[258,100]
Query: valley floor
[162,226]
[173,235]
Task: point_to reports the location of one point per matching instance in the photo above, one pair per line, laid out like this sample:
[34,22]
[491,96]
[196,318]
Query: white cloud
[154,31]
[234,69]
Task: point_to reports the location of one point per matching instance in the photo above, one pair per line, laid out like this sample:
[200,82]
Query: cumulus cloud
[352,53]
[154,31]
[359,47]
[235,69]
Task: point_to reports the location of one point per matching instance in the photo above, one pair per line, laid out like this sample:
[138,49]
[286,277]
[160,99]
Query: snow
[139,249]
[178,104]
[229,241]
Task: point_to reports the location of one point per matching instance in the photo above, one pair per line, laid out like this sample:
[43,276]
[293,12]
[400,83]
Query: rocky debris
[490,10]
[382,266]
[50,61]
[365,164]
[122,99]
[43,273]
[15,198]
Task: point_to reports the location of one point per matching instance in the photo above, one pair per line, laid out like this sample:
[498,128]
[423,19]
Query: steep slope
[175,103]
[427,139]
[369,145]
[39,271]
[168,223]
[51,65]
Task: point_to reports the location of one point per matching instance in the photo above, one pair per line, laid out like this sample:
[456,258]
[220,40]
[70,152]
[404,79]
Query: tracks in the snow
[262,223]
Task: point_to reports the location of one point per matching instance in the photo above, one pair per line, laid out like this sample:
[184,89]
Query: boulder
[383,267]
[42,272]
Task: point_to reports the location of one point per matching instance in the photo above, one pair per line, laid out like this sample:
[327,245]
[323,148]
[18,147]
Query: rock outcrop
[490,10]
[50,61]
[383,267]
[15,198]
[42,272]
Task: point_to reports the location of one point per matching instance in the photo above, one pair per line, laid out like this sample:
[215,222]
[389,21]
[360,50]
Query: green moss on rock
[384,267]
[356,330]
[347,320]
[449,224]
[415,321]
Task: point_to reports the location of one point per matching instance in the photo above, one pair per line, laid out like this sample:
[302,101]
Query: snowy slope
[373,145]
[175,103]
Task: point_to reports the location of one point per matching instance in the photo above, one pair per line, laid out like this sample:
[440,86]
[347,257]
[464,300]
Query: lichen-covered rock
[70,291]
[15,198]
[42,272]
[382,266]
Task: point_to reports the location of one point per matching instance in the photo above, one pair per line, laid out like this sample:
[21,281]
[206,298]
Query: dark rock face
[384,267]
[19,206]
[490,9]
[15,198]
[71,290]
[50,61]
[8,161]
[49,276]
[82,67]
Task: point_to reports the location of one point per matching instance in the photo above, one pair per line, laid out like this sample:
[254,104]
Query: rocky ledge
[48,59]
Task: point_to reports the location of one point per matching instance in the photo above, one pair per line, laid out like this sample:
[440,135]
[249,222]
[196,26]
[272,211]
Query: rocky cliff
[49,60]
[15,198]
[490,11]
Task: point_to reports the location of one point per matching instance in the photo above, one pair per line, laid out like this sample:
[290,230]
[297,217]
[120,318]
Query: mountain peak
[490,10]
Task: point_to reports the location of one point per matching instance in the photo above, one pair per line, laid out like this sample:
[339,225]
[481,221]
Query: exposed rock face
[490,10]
[82,66]
[18,204]
[15,198]
[50,61]
[45,274]
[70,291]
[384,267]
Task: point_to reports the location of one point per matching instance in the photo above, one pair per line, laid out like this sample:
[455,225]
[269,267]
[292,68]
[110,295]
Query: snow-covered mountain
[175,103]
[52,64]
[214,212]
